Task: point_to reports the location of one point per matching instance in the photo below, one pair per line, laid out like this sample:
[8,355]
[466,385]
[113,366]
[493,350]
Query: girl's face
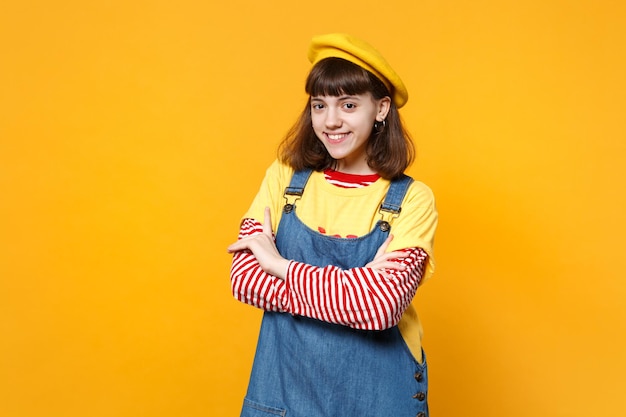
[344,125]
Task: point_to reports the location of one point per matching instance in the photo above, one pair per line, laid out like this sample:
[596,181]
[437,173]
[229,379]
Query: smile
[337,136]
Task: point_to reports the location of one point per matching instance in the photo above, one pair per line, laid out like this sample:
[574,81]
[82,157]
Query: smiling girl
[316,252]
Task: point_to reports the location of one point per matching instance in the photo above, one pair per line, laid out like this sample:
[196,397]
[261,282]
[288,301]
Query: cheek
[319,134]
[366,124]
[317,125]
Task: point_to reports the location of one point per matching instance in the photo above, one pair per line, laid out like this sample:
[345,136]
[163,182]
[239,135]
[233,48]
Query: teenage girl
[339,336]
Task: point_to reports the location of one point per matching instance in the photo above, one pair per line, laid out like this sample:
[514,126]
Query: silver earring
[379,126]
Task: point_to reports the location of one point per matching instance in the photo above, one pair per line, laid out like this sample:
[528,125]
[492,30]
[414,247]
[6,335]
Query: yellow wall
[134,134]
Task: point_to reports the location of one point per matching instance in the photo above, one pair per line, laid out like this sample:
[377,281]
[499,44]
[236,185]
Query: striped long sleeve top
[361,298]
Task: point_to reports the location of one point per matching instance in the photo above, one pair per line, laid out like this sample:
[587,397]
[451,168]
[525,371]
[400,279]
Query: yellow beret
[340,45]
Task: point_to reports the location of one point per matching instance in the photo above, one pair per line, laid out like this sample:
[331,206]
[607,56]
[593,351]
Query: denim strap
[298,181]
[395,194]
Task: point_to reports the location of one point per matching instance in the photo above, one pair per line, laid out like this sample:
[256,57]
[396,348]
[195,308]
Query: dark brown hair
[389,152]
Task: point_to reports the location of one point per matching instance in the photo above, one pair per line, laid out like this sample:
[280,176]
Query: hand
[264,249]
[384,261]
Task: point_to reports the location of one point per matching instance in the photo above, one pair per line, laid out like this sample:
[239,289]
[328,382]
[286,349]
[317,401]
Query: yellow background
[133,135]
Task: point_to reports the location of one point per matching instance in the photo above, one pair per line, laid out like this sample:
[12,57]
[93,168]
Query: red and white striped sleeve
[361,298]
[248,282]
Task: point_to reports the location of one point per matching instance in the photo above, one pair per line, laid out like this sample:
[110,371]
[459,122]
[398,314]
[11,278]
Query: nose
[333,118]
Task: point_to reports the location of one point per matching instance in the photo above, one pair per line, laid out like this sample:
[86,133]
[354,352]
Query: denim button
[384,226]
[421,414]
[418,376]
[420,396]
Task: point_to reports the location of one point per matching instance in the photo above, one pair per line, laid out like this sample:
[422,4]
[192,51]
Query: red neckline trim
[350,178]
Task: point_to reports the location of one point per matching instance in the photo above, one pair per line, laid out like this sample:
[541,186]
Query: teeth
[335,137]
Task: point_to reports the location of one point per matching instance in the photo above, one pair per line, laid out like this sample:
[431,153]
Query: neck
[355,168]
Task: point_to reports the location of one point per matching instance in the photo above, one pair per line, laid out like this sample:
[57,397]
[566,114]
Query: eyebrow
[340,98]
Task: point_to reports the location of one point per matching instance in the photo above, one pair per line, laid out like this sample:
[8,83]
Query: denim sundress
[305,367]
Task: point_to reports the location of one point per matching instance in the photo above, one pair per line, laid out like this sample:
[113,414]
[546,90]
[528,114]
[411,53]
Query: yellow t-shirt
[355,211]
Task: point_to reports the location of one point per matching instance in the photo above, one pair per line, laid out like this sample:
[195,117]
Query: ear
[384,104]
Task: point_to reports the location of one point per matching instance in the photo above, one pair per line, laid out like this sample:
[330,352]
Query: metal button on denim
[419,376]
[420,396]
[421,414]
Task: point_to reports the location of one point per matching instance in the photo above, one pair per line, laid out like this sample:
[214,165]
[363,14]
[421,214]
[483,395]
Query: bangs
[338,77]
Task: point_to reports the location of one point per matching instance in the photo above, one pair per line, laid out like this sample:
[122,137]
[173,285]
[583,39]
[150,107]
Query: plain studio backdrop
[134,135]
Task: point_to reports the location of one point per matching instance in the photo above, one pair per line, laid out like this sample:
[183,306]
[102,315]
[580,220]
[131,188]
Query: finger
[386,263]
[237,246]
[246,243]
[388,273]
[383,248]
[395,255]
[392,266]
[267,224]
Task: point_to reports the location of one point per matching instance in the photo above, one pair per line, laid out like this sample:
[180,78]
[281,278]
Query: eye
[317,106]
[349,106]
